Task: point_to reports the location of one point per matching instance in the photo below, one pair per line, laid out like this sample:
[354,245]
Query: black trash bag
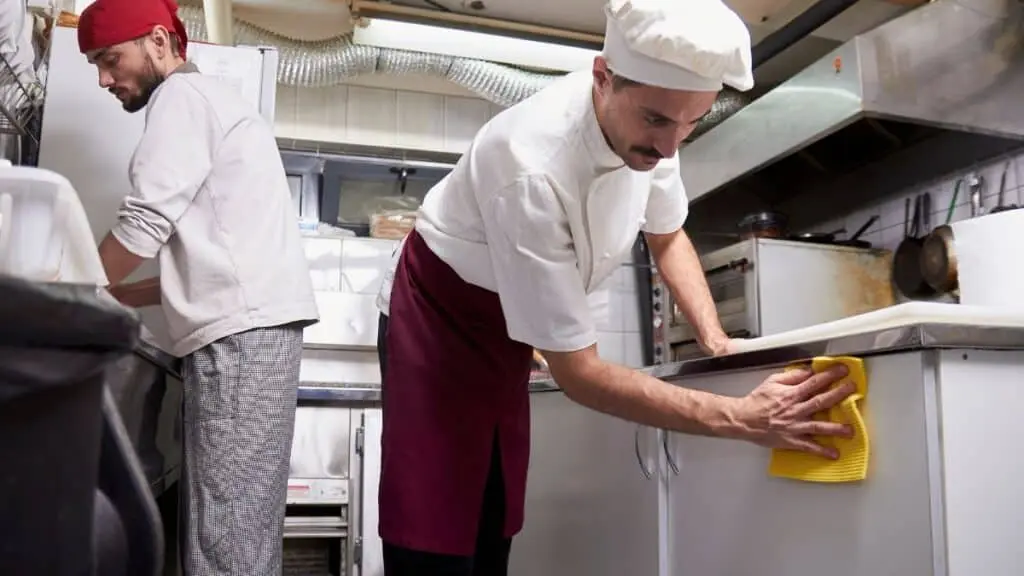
[74,499]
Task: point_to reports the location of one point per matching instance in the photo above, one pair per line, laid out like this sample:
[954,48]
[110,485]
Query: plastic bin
[44,233]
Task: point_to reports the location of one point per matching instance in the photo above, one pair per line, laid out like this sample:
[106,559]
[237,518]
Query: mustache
[649,152]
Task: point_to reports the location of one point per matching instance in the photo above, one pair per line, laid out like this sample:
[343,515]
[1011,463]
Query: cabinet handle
[668,453]
[639,458]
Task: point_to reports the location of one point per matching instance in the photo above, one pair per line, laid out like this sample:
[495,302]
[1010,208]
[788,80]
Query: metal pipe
[797,28]
[219,22]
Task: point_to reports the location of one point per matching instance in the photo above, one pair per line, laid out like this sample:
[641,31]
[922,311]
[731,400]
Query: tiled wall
[348,273]
[390,117]
[415,113]
[887,232]
[617,314]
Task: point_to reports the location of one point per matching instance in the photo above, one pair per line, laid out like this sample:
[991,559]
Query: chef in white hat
[541,209]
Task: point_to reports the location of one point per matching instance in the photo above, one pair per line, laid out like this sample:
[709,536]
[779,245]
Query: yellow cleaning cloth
[852,464]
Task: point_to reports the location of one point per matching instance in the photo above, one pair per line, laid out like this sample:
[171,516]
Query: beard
[148,82]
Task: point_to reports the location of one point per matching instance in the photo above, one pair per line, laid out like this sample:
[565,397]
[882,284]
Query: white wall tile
[285,107]
[321,113]
[364,262]
[339,367]
[625,310]
[371,116]
[420,119]
[600,310]
[463,117]
[633,352]
[323,256]
[611,346]
[423,116]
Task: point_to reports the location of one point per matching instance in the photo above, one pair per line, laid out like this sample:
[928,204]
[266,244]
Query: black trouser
[492,549]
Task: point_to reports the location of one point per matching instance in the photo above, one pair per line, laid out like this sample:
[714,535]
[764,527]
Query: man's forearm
[680,267]
[638,397]
[118,261]
[138,294]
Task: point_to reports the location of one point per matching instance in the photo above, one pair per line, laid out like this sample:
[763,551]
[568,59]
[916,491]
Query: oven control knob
[656,291]
[657,350]
[657,306]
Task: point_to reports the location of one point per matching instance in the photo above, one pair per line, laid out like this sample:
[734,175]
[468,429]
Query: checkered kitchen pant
[239,417]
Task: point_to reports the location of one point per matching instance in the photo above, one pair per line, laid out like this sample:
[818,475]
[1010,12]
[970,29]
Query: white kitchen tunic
[210,199]
[541,211]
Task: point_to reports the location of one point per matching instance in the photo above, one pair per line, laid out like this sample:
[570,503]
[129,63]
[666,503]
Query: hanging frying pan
[906,262]
[938,259]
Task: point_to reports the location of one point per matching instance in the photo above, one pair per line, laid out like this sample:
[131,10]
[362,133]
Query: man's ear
[163,41]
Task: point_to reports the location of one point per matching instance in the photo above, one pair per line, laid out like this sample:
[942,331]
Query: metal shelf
[21,107]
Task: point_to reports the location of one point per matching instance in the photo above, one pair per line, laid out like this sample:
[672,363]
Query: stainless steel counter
[340,393]
[873,343]
[888,341]
[370,393]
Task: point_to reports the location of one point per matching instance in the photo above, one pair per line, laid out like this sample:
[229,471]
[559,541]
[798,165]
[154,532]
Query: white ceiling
[320,19]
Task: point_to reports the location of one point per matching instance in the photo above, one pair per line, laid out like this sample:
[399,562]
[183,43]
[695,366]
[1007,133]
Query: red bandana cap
[105,23]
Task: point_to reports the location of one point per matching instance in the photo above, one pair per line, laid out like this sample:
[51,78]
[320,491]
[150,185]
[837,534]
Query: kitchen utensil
[926,213]
[975,183]
[820,237]
[855,241]
[938,259]
[1001,205]
[831,237]
[764,224]
[906,272]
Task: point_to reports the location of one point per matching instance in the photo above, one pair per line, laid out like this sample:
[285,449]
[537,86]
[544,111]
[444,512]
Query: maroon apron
[453,380]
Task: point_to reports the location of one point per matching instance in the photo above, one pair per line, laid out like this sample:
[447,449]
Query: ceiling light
[398,35]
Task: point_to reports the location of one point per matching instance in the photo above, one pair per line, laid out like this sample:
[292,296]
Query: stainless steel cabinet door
[727,516]
[590,508]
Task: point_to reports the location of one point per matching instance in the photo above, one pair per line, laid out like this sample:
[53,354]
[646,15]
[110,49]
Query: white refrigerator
[89,138]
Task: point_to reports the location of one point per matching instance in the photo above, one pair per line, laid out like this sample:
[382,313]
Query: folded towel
[852,464]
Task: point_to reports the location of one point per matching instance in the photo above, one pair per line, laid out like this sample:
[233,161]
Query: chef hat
[678,44]
[105,23]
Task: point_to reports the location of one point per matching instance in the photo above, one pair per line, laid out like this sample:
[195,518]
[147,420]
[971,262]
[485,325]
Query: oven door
[316,544]
[732,289]
[317,537]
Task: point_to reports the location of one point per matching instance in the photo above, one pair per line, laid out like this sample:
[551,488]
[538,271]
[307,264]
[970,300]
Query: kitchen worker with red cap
[210,200]
[541,209]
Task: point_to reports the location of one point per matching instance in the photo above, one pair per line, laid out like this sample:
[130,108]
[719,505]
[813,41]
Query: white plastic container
[44,233]
[988,259]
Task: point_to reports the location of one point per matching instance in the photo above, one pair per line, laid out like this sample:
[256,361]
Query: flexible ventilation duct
[331,62]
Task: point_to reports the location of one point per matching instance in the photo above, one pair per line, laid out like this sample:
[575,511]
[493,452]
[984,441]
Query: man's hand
[683,274]
[137,294]
[779,413]
[719,345]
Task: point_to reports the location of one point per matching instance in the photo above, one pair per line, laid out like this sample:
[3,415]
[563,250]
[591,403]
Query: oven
[764,286]
[319,520]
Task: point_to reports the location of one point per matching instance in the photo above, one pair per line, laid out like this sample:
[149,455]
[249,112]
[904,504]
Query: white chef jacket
[210,200]
[542,211]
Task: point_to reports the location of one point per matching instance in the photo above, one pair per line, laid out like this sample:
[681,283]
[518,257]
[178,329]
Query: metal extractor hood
[933,91]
